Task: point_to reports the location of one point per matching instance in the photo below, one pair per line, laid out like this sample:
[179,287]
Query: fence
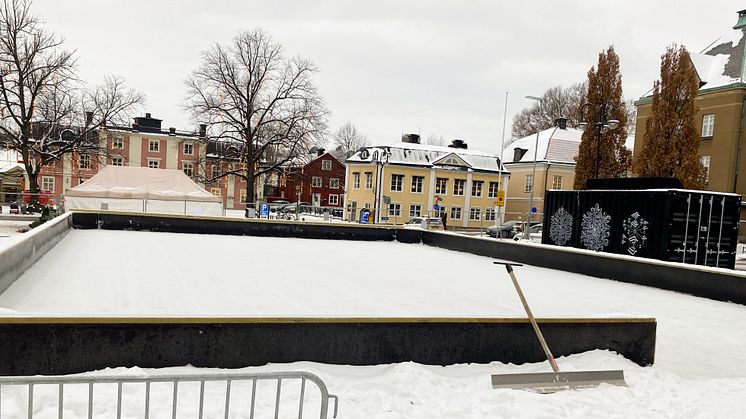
[150,404]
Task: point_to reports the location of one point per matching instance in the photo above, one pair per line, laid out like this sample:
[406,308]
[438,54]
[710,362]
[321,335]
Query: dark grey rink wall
[714,283]
[33,346]
[24,250]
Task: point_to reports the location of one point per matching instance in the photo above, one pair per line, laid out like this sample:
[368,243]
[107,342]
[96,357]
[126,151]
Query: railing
[147,401]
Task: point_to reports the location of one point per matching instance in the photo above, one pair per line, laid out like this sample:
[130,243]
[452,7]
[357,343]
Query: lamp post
[533,175]
[603,125]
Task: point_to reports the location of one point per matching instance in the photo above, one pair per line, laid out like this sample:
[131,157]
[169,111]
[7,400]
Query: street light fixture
[533,174]
[602,126]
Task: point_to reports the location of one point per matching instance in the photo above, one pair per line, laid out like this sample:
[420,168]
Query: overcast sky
[390,67]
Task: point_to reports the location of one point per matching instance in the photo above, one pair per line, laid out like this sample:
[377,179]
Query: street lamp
[533,173]
[602,126]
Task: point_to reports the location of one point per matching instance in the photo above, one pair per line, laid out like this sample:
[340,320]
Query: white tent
[141,189]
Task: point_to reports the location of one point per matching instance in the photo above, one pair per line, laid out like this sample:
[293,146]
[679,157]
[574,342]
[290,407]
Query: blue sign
[264,211]
[436,207]
[364,217]
[533,210]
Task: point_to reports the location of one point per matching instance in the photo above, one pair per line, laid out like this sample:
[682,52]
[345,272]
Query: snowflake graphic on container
[595,229]
[560,229]
[634,235]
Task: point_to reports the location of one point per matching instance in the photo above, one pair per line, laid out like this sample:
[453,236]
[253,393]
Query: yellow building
[407,179]
[555,168]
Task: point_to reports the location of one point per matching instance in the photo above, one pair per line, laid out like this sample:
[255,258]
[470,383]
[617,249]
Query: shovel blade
[550,382]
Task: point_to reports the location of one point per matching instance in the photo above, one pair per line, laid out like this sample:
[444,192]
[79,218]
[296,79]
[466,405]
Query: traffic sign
[500,198]
[436,207]
[533,210]
[264,213]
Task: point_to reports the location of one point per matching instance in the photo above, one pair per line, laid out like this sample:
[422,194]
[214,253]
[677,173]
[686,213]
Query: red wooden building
[320,183]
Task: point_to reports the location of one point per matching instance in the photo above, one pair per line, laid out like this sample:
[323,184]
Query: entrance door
[316,200]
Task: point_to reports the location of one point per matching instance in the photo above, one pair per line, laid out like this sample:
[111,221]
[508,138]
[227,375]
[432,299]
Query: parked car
[507,230]
[534,234]
[432,223]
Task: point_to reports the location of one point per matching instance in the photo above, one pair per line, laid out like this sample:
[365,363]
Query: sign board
[264,211]
[500,198]
[364,217]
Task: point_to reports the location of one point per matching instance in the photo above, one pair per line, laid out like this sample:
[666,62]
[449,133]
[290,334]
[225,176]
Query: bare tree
[348,139]
[45,113]
[557,102]
[438,140]
[262,107]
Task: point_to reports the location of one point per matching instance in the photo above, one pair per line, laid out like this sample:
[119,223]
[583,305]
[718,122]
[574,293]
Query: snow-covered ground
[700,368]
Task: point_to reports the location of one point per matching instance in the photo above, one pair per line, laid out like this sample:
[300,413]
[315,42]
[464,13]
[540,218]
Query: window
[441,186]
[189,149]
[154,145]
[326,165]
[117,161]
[475,213]
[489,214]
[458,187]
[394,210]
[705,160]
[85,162]
[493,188]
[188,168]
[215,191]
[242,195]
[334,183]
[117,142]
[333,199]
[356,180]
[396,183]
[557,182]
[708,126]
[441,210]
[215,171]
[455,213]
[415,210]
[417,184]
[153,164]
[476,188]
[47,183]
[368,180]
[316,182]
[529,186]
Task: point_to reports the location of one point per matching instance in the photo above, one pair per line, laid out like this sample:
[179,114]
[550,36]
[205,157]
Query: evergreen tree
[670,145]
[614,159]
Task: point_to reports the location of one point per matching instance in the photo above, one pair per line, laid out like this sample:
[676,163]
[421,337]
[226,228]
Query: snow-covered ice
[700,368]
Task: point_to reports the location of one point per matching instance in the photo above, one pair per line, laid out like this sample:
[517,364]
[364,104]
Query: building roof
[722,65]
[9,160]
[555,145]
[425,155]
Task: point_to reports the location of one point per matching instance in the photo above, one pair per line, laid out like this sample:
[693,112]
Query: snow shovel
[550,382]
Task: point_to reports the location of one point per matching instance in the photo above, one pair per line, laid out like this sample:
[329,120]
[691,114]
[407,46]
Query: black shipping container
[674,225]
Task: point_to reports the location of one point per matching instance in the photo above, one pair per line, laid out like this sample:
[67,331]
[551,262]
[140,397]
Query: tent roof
[142,183]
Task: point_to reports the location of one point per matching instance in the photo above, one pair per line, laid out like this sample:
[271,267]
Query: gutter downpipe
[740,143]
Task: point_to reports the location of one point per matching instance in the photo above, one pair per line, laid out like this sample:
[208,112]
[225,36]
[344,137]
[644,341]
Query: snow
[700,368]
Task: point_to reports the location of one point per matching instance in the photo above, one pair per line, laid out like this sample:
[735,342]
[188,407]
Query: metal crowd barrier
[175,379]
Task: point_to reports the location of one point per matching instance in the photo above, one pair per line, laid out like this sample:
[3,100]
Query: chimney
[147,114]
[518,154]
[202,130]
[560,123]
[410,138]
[458,144]
[172,131]
[88,118]
[741,20]
[320,152]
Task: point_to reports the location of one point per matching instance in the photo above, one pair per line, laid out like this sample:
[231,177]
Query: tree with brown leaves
[602,149]
[670,144]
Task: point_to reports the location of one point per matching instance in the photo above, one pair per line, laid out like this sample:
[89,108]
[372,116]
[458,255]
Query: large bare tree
[348,139]
[45,112]
[261,107]
[557,102]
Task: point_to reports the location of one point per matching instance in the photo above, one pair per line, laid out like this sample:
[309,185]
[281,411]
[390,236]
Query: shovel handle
[535,325]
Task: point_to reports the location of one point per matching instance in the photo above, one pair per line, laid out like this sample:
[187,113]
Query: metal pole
[533,181]
[501,214]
